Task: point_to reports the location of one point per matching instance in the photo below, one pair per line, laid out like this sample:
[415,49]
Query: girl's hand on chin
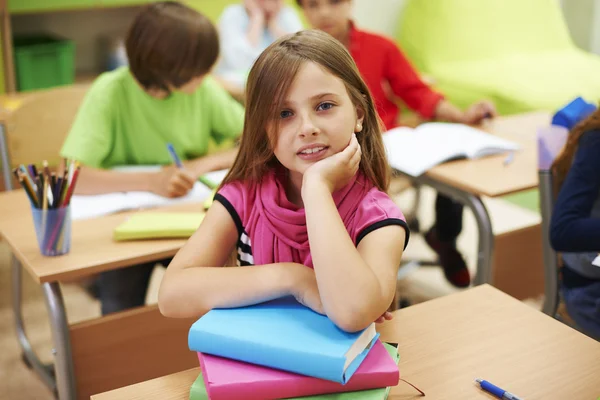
[336,171]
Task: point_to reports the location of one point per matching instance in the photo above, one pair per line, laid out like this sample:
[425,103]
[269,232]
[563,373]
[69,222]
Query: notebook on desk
[285,335]
[83,207]
[198,392]
[227,379]
[415,151]
[157,225]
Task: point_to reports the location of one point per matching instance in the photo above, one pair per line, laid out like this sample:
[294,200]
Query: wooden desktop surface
[92,248]
[489,176]
[446,343]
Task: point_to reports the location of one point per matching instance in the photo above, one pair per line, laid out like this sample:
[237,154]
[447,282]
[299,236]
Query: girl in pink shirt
[304,205]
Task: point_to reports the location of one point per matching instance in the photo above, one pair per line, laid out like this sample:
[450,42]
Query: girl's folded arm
[196,281]
[361,285]
[356,284]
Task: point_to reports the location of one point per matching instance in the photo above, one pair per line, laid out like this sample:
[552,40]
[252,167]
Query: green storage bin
[43,61]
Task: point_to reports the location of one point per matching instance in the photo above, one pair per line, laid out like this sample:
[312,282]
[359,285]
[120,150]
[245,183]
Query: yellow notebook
[209,200]
[157,225]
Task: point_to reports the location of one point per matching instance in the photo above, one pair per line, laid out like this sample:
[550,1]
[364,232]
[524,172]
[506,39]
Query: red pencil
[71,187]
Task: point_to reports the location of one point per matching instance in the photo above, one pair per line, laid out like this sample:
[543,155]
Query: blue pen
[509,158]
[496,391]
[174,156]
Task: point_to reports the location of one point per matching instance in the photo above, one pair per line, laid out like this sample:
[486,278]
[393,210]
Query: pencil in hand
[174,156]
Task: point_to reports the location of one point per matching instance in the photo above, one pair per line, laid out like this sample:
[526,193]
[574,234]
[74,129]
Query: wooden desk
[468,180]
[446,343]
[489,176]
[89,358]
[92,247]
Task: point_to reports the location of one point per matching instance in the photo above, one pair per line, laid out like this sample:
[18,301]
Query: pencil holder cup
[53,230]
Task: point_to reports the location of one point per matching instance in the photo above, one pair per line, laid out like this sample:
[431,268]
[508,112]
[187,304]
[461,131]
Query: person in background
[575,225]
[390,76]
[130,114]
[245,30]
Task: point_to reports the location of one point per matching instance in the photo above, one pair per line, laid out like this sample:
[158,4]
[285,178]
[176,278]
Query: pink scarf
[280,233]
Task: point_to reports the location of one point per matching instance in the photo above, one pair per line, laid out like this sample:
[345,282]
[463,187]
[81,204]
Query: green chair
[516,53]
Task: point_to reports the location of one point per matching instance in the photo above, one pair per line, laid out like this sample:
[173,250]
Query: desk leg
[485,245]
[46,372]
[63,359]
[60,376]
[6,172]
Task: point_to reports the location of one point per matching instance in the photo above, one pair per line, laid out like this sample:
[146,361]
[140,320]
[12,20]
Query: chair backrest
[550,142]
[442,31]
[37,123]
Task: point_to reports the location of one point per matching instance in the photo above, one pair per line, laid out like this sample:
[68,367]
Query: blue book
[285,335]
[574,112]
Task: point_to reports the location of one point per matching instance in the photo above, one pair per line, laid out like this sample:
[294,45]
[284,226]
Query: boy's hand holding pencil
[173,181]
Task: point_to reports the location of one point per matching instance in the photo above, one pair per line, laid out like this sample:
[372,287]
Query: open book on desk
[415,151]
[83,207]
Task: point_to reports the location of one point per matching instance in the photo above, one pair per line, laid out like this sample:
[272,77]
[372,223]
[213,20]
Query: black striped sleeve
[234,215]
[381,224]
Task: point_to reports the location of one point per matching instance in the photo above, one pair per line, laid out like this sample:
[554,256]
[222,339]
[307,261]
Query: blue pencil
[174,156]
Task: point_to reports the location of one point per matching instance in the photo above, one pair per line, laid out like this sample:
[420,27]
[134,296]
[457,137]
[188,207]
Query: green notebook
[157,225]
[213,179]
[198,390]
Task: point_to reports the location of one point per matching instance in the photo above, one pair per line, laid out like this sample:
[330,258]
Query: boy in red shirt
[384,68]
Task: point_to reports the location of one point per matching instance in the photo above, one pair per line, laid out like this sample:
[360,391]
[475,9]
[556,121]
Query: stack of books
[281,349]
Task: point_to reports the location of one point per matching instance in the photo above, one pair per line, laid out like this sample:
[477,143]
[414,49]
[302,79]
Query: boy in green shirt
[130,114]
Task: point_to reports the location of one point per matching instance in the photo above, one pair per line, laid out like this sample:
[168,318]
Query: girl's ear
[360,116]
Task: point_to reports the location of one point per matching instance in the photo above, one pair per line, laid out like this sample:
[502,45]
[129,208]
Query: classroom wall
[88,28]
[582,16]
[583,19]
[378,15]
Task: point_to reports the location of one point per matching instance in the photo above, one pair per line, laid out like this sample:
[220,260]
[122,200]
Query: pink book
[227,379]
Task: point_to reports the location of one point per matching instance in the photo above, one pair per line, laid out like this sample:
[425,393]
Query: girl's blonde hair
[268,83]
[563,162]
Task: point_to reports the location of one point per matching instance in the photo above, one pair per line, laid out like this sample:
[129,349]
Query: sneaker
[452,262]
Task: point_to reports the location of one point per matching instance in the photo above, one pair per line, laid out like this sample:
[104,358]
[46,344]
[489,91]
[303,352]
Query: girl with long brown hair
[304,203]
[575,226]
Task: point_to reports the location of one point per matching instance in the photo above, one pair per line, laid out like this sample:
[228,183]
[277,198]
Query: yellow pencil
[45,194]
[28,188]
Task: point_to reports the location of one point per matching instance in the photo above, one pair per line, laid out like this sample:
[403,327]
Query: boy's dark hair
[169,44]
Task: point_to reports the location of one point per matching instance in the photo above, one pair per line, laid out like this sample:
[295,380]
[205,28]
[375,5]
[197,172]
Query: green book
[213,179]
[157,225]
[198,390]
